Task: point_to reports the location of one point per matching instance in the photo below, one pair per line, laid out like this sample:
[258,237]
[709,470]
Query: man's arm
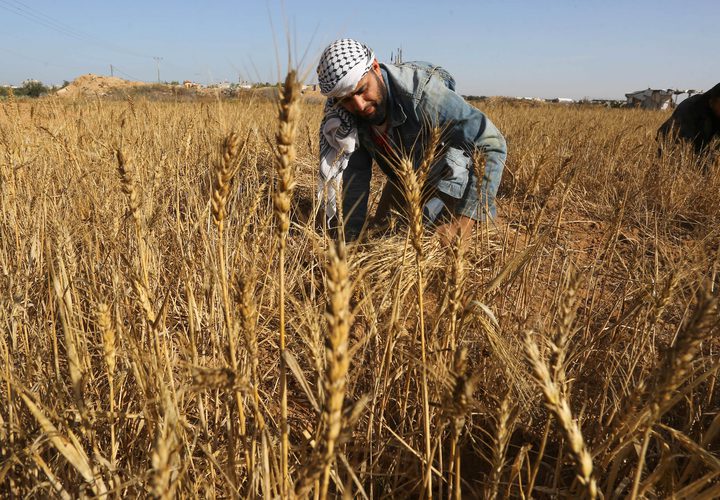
[466,128]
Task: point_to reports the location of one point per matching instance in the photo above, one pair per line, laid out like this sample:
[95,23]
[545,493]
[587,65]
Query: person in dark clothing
[695,120]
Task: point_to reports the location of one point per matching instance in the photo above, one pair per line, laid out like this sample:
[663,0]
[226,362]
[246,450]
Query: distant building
[650,99]
[564,100]
[608,103]
[188,84]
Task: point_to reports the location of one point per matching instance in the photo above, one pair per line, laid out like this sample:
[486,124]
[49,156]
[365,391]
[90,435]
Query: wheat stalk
[128,181]
[288,110]
[73,454]
[222,178]
[558,345]
[457,406]
[674,370]
[247,310]
[556,402]
[337,361]
[412,183]
[479,163]
[164,453]
[107,332]
[500,444]
[456,287]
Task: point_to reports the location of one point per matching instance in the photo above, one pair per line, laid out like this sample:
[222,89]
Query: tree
[32,88]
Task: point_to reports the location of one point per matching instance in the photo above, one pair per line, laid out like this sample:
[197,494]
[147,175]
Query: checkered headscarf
[342,64]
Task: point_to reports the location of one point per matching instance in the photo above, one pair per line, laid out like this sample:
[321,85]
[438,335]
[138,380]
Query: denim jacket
[420,94]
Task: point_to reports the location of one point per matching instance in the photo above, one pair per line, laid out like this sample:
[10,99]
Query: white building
[650,99]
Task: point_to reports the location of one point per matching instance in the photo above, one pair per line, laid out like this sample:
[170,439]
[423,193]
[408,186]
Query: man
[696,120]
[375,112]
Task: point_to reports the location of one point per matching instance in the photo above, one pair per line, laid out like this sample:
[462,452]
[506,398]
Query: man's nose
[357,103]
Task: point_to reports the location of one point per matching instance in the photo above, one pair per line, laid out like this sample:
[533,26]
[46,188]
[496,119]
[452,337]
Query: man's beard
[378,118]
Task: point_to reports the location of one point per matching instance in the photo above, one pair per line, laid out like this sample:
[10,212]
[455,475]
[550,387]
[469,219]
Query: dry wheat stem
[288,110]
[456,285]
[558,405]
[412,187]
[558,345]
[223,173]
[337,362]
[655,220]
[500,443]
[128,178]
[107,332]
[456,409]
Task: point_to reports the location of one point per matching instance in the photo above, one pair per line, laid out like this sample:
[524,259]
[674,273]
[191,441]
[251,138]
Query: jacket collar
[396,114]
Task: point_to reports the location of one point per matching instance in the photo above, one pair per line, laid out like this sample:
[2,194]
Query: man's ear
[376,66]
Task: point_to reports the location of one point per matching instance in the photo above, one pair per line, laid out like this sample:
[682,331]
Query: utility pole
[157,63]
[396,57]
[111,70]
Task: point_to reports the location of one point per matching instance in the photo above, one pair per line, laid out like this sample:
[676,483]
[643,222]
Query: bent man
[375,111]
[696,120]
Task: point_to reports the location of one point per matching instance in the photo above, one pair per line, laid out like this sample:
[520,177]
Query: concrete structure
[650,99]
[563,100]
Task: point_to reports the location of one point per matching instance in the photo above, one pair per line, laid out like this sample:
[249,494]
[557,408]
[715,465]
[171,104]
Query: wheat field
[175,323]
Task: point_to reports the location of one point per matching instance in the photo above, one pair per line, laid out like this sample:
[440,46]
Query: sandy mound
[96,86]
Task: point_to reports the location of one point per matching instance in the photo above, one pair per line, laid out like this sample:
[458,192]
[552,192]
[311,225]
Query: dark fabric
[694,121]
[356,191]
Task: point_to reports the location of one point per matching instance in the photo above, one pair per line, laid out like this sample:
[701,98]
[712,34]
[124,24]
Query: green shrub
[32,89]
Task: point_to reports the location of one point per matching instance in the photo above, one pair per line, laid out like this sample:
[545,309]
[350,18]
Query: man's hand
[459,225]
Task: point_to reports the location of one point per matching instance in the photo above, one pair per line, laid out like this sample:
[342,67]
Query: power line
[118,70]
[16,10]
[31,14]
[36,59]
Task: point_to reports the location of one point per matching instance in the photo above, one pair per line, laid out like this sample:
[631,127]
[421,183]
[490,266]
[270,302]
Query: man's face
[715,106]
[369,99]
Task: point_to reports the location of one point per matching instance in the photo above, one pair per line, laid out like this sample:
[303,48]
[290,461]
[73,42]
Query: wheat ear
[222,175]
[222,178]
[676,367]
[337,361]
[336,354]
[128,181]
[288,110]
[412,182]
[430,153]
[558,346]
[556,402]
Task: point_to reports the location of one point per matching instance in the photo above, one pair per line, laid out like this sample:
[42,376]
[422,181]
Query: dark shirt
[694,121]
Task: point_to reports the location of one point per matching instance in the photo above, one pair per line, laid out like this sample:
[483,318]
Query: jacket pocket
[454,182]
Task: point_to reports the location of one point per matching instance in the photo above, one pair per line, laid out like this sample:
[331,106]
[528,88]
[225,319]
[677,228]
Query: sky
[547,49]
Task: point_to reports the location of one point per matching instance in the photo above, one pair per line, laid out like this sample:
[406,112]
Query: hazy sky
[560,48]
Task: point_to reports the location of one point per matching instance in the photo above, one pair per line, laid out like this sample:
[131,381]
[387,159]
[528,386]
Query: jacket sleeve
[465,128]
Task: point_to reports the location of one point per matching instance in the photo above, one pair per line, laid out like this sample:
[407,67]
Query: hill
[96,85]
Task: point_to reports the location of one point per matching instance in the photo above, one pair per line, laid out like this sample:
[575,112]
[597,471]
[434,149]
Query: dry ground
[572,350]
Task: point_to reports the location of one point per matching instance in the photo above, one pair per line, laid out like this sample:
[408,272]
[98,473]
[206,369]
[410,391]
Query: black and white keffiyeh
[342,65]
